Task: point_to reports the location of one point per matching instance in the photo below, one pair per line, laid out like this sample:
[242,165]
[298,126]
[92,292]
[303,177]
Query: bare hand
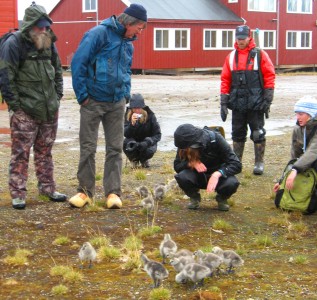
[198,166]
[134,118]
[290,180]
[276,187]
[213,181]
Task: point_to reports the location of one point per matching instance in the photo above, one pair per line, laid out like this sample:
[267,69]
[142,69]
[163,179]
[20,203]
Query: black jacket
[216,154]
[141,130]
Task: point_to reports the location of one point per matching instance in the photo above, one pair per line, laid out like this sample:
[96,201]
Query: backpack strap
[259,57]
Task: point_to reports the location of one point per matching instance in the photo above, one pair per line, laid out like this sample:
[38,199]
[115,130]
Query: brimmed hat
[136,11]
[308,105]
[242,32]
[43,22]
[188,136]
[137,101]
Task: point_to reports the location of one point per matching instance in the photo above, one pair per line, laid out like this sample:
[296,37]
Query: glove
[149,141]
[143,145]
[224,100]
[267,101]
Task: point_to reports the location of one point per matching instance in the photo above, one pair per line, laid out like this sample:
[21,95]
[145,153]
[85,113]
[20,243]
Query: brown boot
[259,149]
[238,148]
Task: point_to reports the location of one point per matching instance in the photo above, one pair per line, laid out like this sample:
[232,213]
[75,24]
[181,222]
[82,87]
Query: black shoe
[18,203]
[193,204]
[57,197]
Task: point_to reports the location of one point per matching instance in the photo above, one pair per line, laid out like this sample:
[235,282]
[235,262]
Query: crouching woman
[204,160]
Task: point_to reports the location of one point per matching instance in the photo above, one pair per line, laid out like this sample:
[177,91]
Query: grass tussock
[160,294]
[140,175]
[59,290]
[299,260]
[99,241]
[149,231]
[95,207]
[61,240]
[264,241]
[20,258]
[59,270]
[220,224]
[132,243]
[108,253]
[73,276]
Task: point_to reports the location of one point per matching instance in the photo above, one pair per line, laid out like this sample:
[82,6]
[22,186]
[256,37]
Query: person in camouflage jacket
[32,86]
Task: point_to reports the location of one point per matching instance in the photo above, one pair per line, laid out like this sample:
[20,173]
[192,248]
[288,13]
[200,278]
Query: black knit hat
[136,101]
[136,11]
[188,136]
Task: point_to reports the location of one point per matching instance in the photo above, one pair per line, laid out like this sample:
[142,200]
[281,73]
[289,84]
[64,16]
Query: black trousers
[137,154]
[190,181]
[240,122]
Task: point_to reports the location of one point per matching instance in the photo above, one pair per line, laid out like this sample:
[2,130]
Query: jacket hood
[116,26]
[248,48]
[188,136]
[32,14]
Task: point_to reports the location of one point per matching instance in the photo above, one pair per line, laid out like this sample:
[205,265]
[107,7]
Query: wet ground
[279,249]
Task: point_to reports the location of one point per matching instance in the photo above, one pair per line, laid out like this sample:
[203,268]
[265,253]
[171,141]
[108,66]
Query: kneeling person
[205,160]
[142,132]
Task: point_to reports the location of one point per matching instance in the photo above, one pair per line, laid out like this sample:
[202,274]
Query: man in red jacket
[247,88]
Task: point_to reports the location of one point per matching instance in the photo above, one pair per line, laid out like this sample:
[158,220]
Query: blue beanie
[136,11]
[308,105]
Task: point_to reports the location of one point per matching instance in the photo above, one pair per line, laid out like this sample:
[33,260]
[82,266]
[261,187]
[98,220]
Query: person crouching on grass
[205,160]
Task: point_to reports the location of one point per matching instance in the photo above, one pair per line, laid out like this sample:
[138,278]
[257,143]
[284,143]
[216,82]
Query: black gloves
[131,146]
[224,100]
[143,145]
[268,95]
[149,141]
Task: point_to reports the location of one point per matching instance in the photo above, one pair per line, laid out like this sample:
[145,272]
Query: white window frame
[219,39]
[298,4]
[232,1]
[172,39]
[89,10]
[298,40]
[259,5]
[262,38]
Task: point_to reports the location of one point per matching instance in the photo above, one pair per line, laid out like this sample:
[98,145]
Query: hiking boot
[18,203]
[238,148]
[80,200]
[113,201]
[258,168]
[56,197]
[222,203]
[145,164]
[193,204]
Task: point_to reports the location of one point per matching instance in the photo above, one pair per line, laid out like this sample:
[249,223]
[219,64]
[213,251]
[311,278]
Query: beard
[42,40]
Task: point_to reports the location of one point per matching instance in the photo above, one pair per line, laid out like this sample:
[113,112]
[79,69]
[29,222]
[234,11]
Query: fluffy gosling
[179,263]
[159,192]
[87,253]
[143,191]
[167,247]
[155,270]
[180,253]
[210,260]
[230,258]
[194,272]
[148,202]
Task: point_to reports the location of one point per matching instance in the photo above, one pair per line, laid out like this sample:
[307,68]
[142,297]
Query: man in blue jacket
[101,73]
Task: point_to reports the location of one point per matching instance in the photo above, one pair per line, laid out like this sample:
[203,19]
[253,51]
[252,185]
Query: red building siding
[8,15]
[70,23]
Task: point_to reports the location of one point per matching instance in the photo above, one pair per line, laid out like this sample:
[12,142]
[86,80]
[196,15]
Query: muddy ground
[279,249]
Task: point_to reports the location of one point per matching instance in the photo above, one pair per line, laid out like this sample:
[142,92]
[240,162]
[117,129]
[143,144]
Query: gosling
[179,263]
[148,202]
[180,253]
[167,247]
[87,253]
[159,192]
[143,191]
[194,272]
[155,270]
[230,258]
[210,260]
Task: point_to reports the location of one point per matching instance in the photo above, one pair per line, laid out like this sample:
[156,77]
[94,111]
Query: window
[299,6]
[218,39]
[171,39]
[89,5]
[299,39]
[262,5]
[266,38]
[232,1]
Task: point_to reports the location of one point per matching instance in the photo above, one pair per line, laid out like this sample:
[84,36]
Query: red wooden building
[8,15]
[197,34]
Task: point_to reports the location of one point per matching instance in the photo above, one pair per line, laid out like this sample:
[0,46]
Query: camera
[139,116]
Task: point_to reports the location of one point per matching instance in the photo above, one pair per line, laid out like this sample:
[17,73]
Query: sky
[23,4]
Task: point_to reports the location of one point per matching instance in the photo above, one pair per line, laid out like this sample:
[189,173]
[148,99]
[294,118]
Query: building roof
[198,10]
